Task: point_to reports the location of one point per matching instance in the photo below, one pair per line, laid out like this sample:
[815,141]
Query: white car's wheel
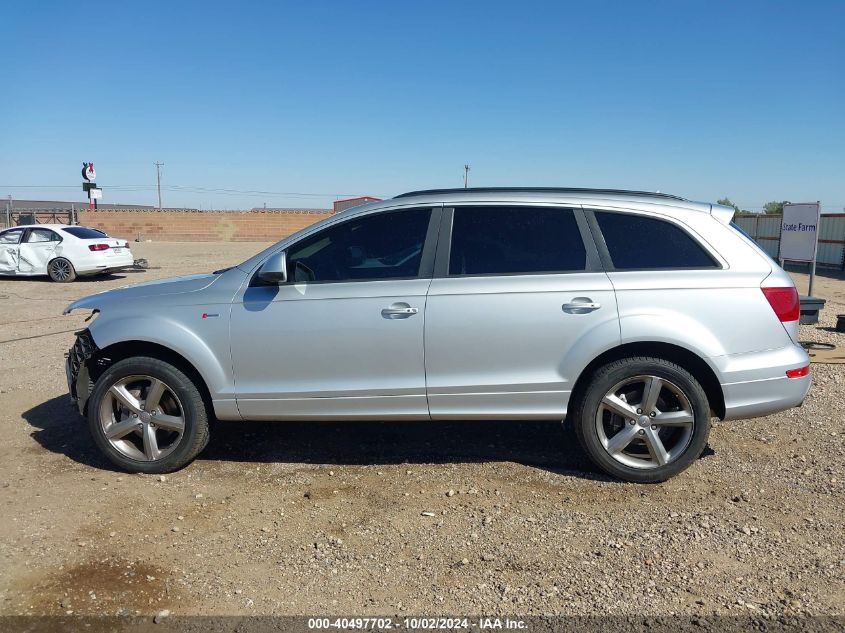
[61,270]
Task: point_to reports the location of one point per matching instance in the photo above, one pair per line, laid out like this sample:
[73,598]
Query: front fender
[215,368]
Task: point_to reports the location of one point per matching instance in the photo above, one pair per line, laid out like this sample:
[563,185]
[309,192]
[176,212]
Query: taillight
[784,302]
[98,247]
[798,373]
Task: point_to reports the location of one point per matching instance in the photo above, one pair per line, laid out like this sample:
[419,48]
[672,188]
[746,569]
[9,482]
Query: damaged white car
[61,252]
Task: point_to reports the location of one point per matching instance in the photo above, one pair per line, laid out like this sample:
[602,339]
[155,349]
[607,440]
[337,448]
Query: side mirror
[274,270]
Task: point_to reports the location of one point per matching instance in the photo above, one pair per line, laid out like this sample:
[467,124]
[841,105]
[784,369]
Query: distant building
[341,205]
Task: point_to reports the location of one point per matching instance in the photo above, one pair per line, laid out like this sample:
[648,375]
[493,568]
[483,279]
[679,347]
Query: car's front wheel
[642,419]
[147,416]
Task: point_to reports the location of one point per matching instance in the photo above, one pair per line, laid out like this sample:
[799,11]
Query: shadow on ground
[82,278]
[60,429]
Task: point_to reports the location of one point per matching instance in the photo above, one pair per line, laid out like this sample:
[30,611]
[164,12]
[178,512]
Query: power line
[193,189]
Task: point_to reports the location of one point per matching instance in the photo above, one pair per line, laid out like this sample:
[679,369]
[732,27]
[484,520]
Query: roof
[611,198]
[544,190]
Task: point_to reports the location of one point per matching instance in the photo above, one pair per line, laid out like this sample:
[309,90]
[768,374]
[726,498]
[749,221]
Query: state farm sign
[799,232]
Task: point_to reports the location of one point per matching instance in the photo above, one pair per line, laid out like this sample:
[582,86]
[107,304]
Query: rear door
[37,249]
[9,250]
[518,306]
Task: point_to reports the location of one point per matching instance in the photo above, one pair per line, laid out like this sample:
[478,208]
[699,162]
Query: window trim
[604,251]
[592,261]
[426,259]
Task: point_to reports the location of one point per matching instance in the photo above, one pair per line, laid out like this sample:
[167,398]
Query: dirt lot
[294,518]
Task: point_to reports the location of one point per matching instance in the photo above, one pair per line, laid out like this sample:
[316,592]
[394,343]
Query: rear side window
[636,242]
[515,240]
[84,232]
[42,235]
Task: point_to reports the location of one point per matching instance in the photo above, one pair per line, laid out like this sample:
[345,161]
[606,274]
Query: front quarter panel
[203,342]
[194,325]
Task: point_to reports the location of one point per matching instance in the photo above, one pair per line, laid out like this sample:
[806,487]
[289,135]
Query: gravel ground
[412,518]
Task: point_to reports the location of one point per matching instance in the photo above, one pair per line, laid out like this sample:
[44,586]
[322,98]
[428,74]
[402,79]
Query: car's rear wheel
[642,419]
[61,270]
[148,416]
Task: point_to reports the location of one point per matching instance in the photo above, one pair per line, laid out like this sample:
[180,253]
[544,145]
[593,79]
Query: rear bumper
[756,384]
[93,265]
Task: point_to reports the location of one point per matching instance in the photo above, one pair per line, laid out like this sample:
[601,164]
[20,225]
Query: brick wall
[182,225]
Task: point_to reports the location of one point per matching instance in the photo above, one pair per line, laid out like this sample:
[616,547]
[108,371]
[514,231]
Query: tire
[61,270]
[142,438]
[626,444]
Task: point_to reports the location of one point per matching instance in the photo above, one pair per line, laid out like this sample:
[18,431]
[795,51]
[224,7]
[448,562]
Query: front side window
[515,240]
[381,246]
[41,235]
[636,242]
[11,237]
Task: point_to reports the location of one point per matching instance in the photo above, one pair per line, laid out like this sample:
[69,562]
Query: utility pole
[466,176]
[158,181]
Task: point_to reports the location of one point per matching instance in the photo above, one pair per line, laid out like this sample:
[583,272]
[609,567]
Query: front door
[343,338]
[519,305]
[9,250]
[36,250]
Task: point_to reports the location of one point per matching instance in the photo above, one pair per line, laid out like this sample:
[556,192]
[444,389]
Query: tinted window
[637,242]
[381,246]
[85,233]
[502,240]
[42,235]
[11,237]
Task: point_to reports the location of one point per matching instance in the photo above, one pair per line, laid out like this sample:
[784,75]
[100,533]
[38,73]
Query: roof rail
[577,190]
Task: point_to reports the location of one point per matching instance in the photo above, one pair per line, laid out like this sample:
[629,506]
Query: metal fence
[17,217]
[765,229]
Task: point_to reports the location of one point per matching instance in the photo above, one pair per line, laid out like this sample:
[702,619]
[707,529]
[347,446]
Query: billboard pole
[815,255]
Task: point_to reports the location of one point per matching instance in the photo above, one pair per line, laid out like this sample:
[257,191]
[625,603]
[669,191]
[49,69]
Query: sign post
[89,186]
[799,235]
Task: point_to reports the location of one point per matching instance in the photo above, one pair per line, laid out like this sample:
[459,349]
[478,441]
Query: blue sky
[699,98]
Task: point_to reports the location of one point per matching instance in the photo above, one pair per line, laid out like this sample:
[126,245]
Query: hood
[156,288]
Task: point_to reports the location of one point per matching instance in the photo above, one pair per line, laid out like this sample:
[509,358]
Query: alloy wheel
[645,422]
[60,269]
[142,418]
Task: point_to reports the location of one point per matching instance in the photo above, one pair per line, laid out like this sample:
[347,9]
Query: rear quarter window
[636,242]
[84,232]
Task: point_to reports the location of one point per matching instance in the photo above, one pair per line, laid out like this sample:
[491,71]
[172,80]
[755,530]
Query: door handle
[399,311]
[581,305]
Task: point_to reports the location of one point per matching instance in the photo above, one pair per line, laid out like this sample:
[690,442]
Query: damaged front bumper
[77,370]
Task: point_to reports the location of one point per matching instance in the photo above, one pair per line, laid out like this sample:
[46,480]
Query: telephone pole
[466,176]
[158,180]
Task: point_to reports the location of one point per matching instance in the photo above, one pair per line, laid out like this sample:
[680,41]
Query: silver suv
[637,317]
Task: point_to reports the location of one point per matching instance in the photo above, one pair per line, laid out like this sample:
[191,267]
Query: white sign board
[799,232]
[96,194]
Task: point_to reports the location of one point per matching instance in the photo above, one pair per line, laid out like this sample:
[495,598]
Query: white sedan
[61,251]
